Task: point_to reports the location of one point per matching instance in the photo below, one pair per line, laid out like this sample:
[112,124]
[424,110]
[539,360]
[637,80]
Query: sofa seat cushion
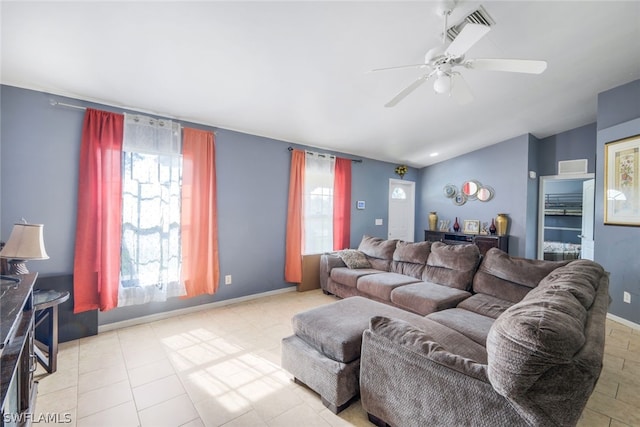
[486,305]
[380,285]
[349,276]
[425,298]
[510,278]
[335,329]
[427,336]
[472,325]
[452,265]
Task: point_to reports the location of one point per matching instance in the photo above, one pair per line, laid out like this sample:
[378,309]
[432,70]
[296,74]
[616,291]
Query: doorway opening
[565,217]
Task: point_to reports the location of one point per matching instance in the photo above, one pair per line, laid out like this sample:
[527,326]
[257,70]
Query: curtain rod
[55,103]
[353,160]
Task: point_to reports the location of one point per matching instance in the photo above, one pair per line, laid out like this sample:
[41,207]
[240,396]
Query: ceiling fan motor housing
[434,54]
[445,7]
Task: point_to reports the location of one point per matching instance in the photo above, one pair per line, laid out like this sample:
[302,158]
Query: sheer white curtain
[150,252]
[318,202]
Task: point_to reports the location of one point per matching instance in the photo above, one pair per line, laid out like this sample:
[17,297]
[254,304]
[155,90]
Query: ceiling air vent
[480,16]
[572,166]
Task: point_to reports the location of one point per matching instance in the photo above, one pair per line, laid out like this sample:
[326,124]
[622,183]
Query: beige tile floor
[221,367]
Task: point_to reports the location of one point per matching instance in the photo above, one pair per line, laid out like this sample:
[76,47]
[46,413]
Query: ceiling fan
[443,61]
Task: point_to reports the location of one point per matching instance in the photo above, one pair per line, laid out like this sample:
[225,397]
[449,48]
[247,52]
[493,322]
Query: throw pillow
[354,258]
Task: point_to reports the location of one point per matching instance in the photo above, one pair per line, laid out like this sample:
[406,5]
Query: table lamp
[25,243]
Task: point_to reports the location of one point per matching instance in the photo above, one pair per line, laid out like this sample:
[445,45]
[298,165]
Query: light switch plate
[378,221]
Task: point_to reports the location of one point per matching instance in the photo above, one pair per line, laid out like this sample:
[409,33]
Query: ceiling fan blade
[529,66]
[460,90]
[399,67]
[406,91]
[470,35]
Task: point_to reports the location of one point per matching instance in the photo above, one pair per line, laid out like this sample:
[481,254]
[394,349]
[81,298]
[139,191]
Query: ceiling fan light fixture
[442,84]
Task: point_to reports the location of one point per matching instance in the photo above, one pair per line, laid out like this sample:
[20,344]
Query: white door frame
[588,215]
[541,192]
[411,219]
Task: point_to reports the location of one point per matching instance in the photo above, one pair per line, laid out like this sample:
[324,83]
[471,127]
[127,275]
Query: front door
[401,210]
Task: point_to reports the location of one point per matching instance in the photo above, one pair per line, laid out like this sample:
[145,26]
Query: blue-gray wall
[39,150]
[617,248]
[578,143]
[503,166]
[38,181]
[531,226]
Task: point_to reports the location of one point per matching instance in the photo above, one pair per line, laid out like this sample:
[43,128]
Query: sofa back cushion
[410,258]
[379,251]
[546,351]
[510,278]
[452,265]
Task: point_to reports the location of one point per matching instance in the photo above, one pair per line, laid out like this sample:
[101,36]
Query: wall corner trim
[168,314]
[623,321]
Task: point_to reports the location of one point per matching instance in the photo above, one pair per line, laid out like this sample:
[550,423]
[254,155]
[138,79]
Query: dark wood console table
[484,242]
[17,360]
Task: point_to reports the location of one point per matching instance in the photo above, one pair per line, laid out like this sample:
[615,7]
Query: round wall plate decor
[460,199]
[449,190]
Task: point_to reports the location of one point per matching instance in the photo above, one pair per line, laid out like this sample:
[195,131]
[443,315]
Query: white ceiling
[297,71]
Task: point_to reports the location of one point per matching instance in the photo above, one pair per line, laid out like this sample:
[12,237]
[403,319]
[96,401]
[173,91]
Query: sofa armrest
[415,382]
[328,261]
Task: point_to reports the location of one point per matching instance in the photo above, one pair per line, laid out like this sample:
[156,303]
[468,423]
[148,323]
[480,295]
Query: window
[398,193]
[319,208]
[150,261]
[318,203]
[164,175]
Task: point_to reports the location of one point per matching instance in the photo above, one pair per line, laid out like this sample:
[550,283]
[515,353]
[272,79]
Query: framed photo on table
[622,182]
[471,226]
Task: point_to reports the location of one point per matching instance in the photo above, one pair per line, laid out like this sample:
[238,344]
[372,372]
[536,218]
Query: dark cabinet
[483,242]
[17,359]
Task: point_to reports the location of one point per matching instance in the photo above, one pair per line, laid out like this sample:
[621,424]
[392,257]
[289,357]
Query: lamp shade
[25,242]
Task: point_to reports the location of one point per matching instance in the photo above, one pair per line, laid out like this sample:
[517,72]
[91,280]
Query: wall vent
[480,16]
[572,166]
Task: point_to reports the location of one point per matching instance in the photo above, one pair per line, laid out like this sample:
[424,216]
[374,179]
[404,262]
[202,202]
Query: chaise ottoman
[324,352]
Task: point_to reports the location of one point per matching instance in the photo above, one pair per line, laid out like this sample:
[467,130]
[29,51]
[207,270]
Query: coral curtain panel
[96,269]
[342,204]
[199,218]
[294,239]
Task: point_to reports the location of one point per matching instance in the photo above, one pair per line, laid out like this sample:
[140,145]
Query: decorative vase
[492,228]
[456,226]
[433,220]
[502,223]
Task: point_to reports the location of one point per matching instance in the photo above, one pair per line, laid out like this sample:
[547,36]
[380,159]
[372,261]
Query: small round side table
[45,304]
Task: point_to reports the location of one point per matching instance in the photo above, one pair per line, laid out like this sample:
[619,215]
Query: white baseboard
[623,321]
[194,309]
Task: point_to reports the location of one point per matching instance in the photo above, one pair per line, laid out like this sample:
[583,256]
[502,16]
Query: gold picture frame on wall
[622,182]
[471,226]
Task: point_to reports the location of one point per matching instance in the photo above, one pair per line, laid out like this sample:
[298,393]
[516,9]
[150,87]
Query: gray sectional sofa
[494,340]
